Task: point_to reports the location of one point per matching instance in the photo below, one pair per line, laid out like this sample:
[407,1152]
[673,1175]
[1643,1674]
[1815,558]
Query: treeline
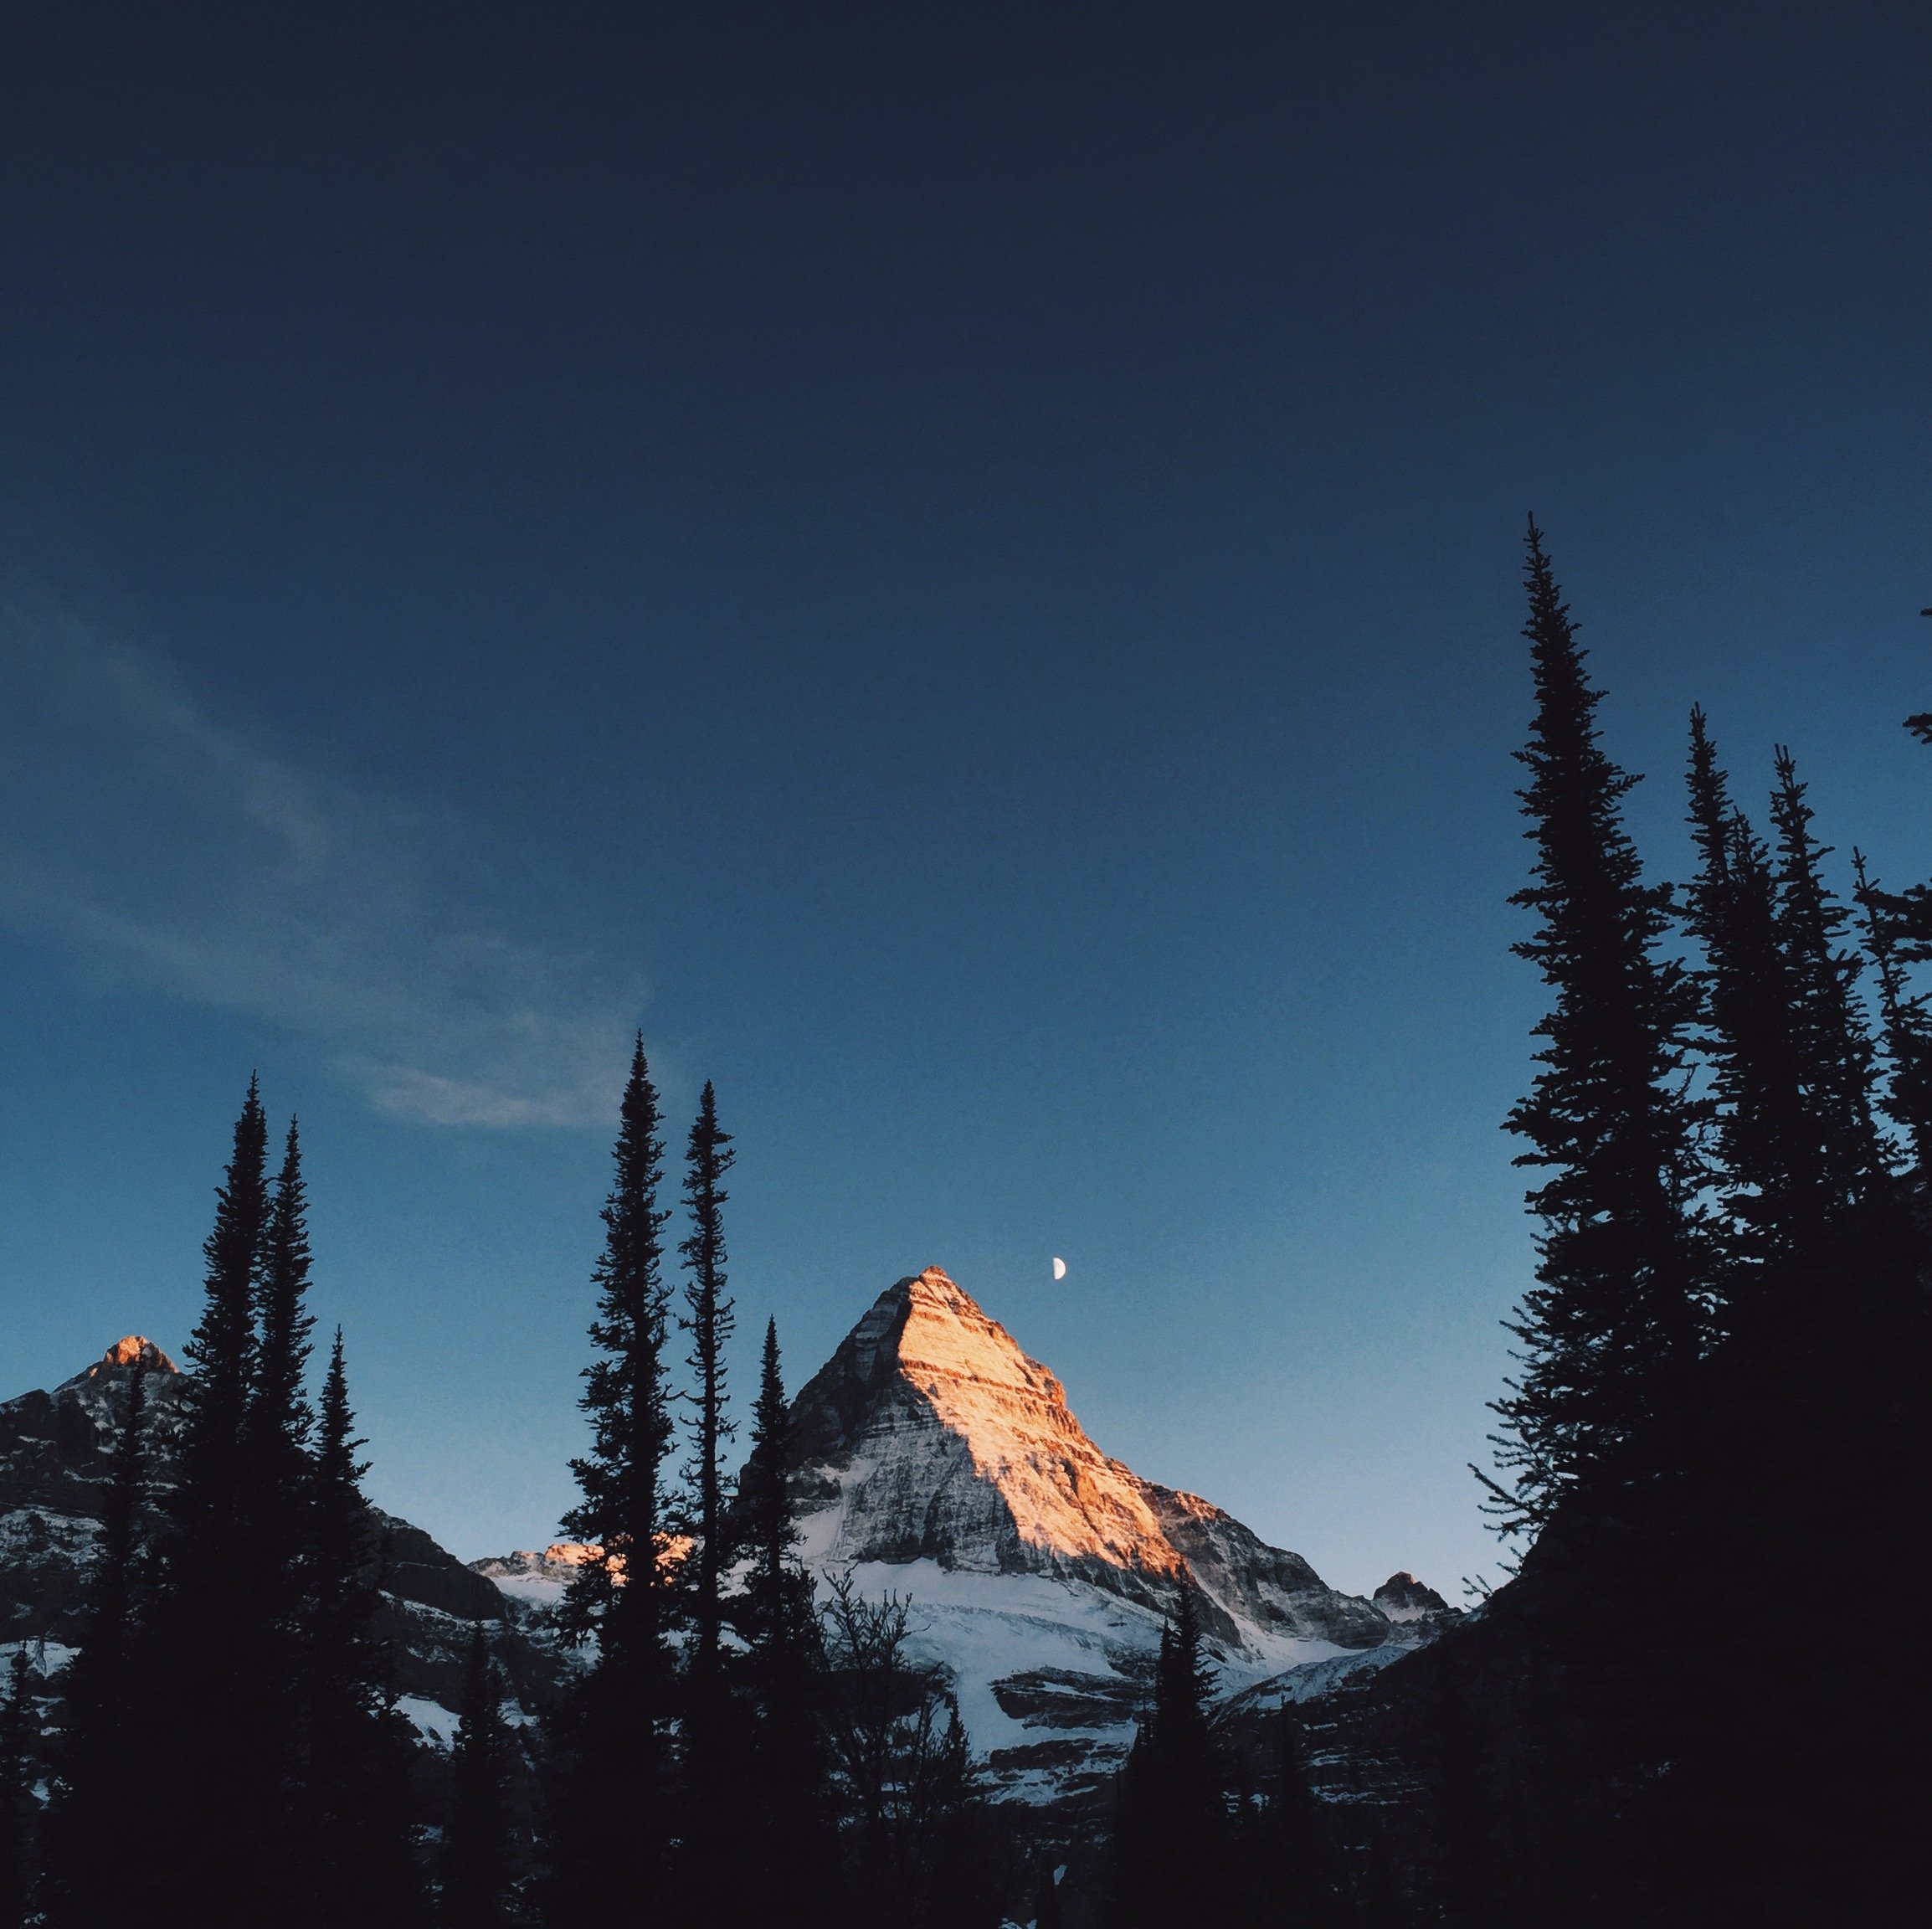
[1704,1697]
[226,1748]
[730,1754]
[1701,1700]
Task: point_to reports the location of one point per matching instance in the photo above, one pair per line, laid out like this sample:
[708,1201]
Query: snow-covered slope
[937,1461]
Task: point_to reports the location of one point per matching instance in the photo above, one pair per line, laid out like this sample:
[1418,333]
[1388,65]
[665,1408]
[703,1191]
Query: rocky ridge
[56,1448]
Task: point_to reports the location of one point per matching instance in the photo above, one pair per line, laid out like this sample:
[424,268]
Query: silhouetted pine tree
[1833,1047]
[1173,1836]
[1617,1317]
[709,1322]
[476,1862]
[104,1763]
[1815,1441]
[1761,1139]
[276,1472]
[19,1748]
[358,1855]
[609,1773]
[1595,1440]
[213,1807]
[785,1805]
[714,1720]
[1908,1025]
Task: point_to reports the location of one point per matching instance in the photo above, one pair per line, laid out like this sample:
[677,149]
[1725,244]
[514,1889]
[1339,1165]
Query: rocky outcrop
[56,1449]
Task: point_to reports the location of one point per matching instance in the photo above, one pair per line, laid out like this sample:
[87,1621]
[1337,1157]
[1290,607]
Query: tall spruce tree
[277,1425]
[358,1857]
[791,1850]
[212,1802]
[19,1746]
[276,1472]
[609,1772]
[709,1321]
[206,1510]
[1617,1317]
[1834,1051]
[475,1860]
[713,1874]
[103,1787]
[1732,910]
[1173,1835]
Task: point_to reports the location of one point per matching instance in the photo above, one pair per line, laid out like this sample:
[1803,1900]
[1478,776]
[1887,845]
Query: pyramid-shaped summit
[930,1435]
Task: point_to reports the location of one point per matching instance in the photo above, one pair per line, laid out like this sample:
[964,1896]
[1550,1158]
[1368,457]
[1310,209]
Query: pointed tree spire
[276,1473]
[218,1807]
[1171,1851]
[775,1615]
[1732,911]
[711,1873]
[221,1355]
[709,1321]
[622,1510]
[1834,1057]
[279,1420]
[1615,1318]
[790,1847]
[354,1821]
[608,1778]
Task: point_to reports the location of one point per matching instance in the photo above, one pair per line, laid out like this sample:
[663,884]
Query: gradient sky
[959,566]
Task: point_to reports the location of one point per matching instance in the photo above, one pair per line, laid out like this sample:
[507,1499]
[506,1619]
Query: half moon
[1059,1269]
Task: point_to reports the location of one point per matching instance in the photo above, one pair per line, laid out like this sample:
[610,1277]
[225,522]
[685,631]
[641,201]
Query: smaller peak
[123,1354]
[1403,1597]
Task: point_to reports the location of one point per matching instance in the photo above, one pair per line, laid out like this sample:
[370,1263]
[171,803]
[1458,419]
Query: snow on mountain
[934,1460]
[1405,1601]
[937,1462]
[56,1449]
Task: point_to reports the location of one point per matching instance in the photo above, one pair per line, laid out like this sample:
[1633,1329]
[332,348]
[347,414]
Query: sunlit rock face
[936,1438]
[936,1461]
[930,1435]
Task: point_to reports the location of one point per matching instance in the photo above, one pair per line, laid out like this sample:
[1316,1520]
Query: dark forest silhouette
[1681,1709]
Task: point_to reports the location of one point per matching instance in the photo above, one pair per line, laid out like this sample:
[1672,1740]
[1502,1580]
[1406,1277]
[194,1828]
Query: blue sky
[959,566]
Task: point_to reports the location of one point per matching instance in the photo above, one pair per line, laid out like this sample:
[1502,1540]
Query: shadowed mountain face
[56,1449]
[929,1435]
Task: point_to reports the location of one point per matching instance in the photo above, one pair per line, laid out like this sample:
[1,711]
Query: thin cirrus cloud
[162,849]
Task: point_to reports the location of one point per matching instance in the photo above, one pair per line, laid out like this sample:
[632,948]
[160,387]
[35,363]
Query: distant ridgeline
[931,1458]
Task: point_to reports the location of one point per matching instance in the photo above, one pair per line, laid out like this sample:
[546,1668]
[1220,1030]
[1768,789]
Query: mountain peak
[936,1437]
[119,1359]
[930,1435]
[1404,1598]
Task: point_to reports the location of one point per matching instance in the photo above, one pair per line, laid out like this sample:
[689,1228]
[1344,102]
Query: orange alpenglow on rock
[930,1436]
[125,1352]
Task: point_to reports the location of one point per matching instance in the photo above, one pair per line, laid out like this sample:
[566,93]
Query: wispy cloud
[161,846]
